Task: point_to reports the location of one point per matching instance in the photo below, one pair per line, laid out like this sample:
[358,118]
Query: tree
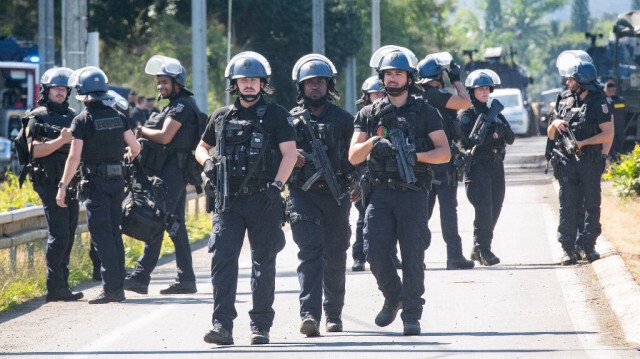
[493,15]
[580,15]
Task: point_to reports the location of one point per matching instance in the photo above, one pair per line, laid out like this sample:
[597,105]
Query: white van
[514,110]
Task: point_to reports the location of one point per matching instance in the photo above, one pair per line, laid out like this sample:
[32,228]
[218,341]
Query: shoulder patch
[179,108]
[290,120]
[605,108]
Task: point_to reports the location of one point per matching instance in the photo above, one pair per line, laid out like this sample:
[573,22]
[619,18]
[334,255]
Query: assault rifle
[221,180]
[404,154]
[319,159]
[483,124]
[570,144]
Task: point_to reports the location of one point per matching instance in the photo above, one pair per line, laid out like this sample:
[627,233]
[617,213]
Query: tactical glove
[453,72]
[209,168]
[382,148]
[271,197]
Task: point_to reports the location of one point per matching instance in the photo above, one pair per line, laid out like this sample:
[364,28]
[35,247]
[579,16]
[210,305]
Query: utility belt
[423,185]
[491,154]
[252,187]
[106,170]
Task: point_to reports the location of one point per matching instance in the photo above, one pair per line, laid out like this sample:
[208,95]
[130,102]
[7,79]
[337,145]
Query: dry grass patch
[621,225]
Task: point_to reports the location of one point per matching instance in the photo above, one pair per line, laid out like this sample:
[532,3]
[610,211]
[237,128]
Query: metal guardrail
[26,225]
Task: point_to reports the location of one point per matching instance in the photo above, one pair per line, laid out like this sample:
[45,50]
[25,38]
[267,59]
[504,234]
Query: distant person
[132,99]
[139,114]
[619,114]
[151,107]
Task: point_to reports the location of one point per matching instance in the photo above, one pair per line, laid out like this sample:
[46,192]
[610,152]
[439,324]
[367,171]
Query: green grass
[12,196]
[26,283]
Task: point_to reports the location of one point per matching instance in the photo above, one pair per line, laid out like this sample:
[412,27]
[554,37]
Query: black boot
[588,252]
[388,313]
[459,263]
[63,295]
[487,258]
[569,258]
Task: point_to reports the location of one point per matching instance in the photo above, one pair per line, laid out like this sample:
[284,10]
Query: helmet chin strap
[396,91]
[248,98]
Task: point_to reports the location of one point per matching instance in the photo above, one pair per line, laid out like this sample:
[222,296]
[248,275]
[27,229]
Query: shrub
[625,173]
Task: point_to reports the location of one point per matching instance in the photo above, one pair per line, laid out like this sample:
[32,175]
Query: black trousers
[61,228]
[320,228]
[447,194]
[485,187]
[266,238]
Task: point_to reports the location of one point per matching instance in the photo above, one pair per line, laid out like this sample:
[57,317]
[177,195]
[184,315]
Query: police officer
[177,128]
[398,206]
[319,218]
[579,177]
[431,76]
[99,137]
[49,149]
[254,152]
[372,90]
[619,114]
[484,180]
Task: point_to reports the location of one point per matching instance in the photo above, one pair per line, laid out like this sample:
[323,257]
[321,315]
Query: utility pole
[199,53]
[318,27]
[46,35]
[350,86]
[375,27]
[226,96]
[75,39]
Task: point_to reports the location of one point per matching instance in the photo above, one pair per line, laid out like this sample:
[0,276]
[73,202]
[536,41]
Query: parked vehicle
[514,110]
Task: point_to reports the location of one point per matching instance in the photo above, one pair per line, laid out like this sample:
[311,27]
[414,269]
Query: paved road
[526,307]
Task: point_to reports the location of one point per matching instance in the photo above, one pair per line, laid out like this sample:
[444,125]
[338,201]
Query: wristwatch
[278,184]
[63,186]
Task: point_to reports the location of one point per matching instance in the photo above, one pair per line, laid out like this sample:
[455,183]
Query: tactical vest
[331,137]
[244,140]
[49,169]
[582,128]
[105,138]
[187,137]
[387,167]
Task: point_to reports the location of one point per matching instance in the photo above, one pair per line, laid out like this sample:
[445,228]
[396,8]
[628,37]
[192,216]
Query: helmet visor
[306,58]
[381,52]
[162,65]
[568,61]
[250,54]
[442,58]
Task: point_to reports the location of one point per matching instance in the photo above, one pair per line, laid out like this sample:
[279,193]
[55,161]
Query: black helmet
[480,78]
[159,65]
[578,65]
[248,64]
[392,57]
[90,83]
[429,69]
[372,84]
[315,65]
[57,76]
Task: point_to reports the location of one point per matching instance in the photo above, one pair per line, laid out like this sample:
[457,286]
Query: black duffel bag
[143,209]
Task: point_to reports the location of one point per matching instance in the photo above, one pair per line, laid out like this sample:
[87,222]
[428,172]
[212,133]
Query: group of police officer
[406,147]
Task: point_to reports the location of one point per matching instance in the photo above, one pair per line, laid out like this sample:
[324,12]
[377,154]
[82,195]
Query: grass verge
[27,282]
[620,220]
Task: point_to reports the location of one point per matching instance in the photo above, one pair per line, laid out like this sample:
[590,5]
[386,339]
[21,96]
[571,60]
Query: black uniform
[45,175]
[580,180]
[183,109]
[246,214]
[619,114]
[138,115]
[446,173]
[101,129]
[320,226]
[395,211]
[485,182]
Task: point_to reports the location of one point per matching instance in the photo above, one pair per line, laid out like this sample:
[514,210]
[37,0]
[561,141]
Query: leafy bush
[12,196]
[625,173]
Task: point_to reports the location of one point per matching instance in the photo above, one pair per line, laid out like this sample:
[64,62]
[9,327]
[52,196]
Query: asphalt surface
[526,307]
